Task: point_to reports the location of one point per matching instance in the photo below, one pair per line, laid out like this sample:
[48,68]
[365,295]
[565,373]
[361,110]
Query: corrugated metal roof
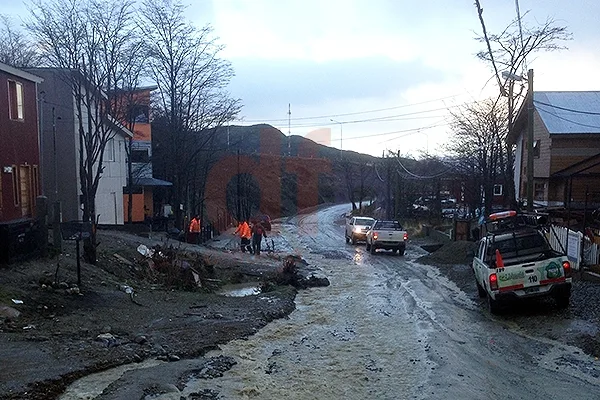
[151,182]
[569,112]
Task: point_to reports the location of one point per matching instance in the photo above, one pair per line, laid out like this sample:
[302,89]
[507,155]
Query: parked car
[388,235]
[515,261]
[357,227]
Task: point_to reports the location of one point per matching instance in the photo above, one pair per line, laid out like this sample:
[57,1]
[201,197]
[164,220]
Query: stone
[9,312]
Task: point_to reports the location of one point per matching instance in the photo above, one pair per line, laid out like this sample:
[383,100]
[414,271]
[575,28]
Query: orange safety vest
[244,230]
[195,226]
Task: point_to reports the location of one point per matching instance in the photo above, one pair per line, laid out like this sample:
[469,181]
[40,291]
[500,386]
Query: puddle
[91,386]
[240,289]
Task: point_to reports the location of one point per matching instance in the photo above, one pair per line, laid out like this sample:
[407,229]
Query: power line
[353,113]
[567,109]
[392,132]
[388,119]
[422,176]
[568,120]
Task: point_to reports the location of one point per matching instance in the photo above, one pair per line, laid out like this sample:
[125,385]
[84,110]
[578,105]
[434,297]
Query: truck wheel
[401,251]
[347,239]
[373,249]
[562,300]
[353,240]
[395,251]
[368,246]
[493,305]
[480,290]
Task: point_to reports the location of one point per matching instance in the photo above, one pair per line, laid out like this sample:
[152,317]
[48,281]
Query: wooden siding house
[61,157]
[19,144]
[20,231]
[566,152]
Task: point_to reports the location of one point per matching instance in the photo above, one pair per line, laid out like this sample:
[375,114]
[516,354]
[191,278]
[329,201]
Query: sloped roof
[569,112]
[20,73]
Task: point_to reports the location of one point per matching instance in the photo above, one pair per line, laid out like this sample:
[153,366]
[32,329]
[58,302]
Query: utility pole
[239,204]
[341,135]
[530,113]
[57,209]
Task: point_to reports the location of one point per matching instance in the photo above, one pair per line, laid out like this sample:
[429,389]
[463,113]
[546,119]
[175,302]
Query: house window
[539,191]
[498,190]
[536,149]
[140,156]
[15,103]
[139,113]
[109,150]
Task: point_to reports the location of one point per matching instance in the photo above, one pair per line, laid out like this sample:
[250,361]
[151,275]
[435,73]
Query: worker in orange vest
[245,233]
[194,231]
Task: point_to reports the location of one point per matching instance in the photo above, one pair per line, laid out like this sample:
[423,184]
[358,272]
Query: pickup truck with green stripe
[516,262]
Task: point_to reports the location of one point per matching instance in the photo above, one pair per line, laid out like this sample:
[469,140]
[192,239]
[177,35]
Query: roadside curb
[590,276]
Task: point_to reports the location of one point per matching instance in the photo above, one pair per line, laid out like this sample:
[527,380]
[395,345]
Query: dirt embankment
[124,311]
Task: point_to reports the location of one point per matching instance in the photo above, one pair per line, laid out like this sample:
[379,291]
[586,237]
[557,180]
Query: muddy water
[352,340]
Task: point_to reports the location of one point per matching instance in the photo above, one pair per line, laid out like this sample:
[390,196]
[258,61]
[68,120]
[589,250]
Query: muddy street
[386,328]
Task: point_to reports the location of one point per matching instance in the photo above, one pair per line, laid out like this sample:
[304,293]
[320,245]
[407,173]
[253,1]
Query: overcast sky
[343,60]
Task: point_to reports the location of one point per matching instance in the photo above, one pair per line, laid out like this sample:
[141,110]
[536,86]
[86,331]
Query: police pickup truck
[515,261]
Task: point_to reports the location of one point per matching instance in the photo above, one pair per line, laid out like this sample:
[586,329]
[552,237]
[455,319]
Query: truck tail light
[375,235]
[494,282]
[567,268]
[405,236]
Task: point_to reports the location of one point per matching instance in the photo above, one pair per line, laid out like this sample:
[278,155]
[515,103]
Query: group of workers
[250,236]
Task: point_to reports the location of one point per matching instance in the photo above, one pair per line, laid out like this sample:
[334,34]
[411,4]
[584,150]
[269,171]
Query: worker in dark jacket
[258,231]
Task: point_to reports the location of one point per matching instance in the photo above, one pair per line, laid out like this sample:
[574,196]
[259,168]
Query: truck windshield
[363,221]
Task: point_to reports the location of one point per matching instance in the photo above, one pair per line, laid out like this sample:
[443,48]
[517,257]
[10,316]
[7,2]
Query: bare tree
[478,144]
[507,52]
[193,101]
[94,43]
[15,48]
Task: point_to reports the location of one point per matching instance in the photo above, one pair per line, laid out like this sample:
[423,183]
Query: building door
[25,190]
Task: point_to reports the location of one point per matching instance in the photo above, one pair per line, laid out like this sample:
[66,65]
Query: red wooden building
[19,144]
[19,164]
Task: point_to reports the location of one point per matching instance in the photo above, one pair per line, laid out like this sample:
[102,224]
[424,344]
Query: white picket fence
[567,241]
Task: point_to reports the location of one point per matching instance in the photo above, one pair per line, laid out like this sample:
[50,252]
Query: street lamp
[529,79]
[341,134]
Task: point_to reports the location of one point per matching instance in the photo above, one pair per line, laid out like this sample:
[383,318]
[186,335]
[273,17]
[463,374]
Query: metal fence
[567,241]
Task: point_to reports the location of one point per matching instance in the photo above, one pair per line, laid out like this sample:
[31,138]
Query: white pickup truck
[514,261]
[357,227]
[388,235]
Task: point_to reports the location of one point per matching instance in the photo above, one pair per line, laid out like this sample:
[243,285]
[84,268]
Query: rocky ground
[53,331]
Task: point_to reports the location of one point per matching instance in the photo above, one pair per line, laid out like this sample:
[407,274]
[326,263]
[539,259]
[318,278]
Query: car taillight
[567,268]
[405,236]
[494,282]
[375,235]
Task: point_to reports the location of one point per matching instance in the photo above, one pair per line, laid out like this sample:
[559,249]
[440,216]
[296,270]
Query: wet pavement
[390,328]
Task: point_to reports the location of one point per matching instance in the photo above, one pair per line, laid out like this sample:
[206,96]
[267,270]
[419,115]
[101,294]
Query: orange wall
[138,207]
